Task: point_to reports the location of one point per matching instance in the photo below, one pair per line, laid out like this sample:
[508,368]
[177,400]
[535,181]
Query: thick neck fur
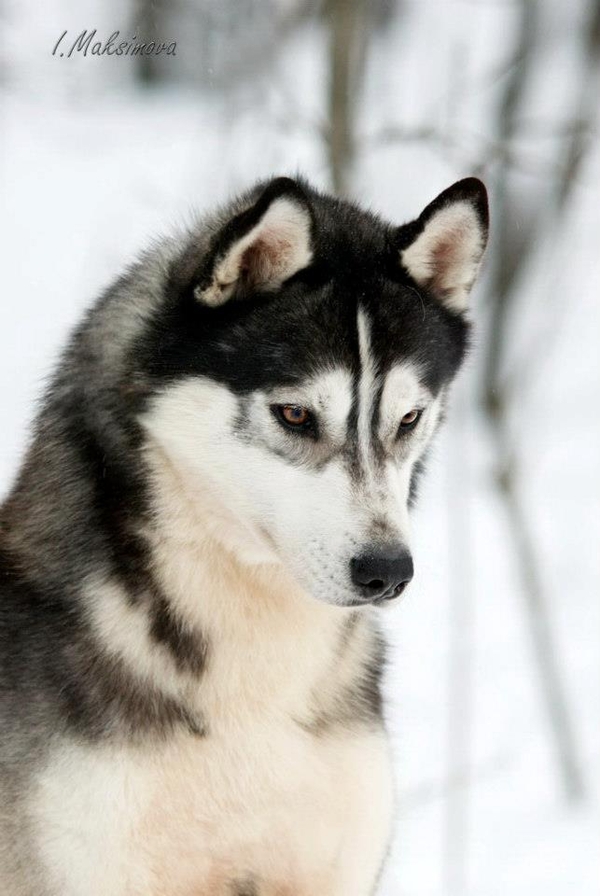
[207,636]
[269,646]
[157,586]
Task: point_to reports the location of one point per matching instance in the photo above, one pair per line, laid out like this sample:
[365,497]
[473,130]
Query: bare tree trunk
[542,635]
[348,34]
[513,245]
[586,107]
[147,20]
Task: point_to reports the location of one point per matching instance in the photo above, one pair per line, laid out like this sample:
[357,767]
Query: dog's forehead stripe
[367,391]
[362,409]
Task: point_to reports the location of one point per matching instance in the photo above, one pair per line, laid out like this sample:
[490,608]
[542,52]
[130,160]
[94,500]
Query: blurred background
[493,681]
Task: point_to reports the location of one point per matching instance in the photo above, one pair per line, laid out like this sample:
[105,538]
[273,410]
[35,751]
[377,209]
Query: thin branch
[545,648]
[510,254]
[348,23]
[513,249]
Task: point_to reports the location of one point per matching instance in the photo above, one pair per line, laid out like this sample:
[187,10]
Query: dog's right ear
[441,251]
[260,248]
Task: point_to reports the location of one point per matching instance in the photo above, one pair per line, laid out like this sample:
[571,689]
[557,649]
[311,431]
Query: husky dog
[212,511]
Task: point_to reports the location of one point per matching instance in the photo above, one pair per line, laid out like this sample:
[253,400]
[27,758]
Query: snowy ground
[87,177]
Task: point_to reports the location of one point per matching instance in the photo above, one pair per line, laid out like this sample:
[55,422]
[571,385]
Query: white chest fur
[295,814]
[266,803]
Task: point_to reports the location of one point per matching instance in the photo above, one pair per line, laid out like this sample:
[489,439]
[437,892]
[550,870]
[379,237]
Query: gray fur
[82,510]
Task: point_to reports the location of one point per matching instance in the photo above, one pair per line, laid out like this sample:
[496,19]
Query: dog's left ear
[260,248]
[441,251]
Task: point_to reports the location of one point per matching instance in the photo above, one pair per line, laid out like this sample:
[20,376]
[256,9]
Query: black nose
[381,574]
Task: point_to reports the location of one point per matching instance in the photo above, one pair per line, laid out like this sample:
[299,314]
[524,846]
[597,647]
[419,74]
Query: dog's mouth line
[387,598]
[391,594]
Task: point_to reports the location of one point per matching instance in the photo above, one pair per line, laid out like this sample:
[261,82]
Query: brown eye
[294,416]
[410,420]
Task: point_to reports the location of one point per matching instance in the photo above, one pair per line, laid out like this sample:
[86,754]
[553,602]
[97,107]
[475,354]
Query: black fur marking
[418,470]
[118,499]
[377,447]
[242,420]
[189,648]
[350,449]
[358,704]
[310,322]
[102,700]
[48,649]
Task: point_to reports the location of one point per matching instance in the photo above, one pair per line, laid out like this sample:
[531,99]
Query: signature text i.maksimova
[112,46]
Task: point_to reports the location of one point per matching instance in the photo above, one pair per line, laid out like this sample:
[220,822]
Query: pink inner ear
[252,265]
[443,255]
[266,259]
[444,252]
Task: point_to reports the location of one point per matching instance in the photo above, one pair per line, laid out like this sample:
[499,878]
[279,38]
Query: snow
[92,168]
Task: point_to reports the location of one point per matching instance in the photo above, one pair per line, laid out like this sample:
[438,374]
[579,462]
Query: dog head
[303,370]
